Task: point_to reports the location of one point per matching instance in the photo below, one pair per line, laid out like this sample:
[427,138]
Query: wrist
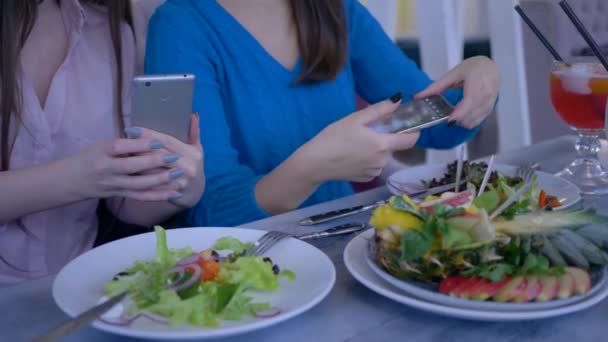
[305,165]
[75,180]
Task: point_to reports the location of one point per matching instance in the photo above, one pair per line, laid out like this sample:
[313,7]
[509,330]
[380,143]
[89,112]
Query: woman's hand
[187,171]
[349,150]
[150,166]
[478,76]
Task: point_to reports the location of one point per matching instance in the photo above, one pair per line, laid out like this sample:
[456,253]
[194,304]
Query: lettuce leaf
[254,272]
[231,244]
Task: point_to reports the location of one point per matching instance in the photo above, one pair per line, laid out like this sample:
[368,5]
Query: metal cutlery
[80,320]
[344,229]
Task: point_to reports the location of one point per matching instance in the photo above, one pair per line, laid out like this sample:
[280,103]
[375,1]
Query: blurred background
[437,34]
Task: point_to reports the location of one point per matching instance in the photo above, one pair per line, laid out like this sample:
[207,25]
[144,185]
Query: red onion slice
[154,317]
[193,279]
[192,259]
[118,321]
[272,312]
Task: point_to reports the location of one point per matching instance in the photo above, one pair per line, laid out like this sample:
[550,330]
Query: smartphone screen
[163,103]
[415,115]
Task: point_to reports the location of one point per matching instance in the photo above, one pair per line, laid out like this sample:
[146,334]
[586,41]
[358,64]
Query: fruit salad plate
[430,292]
[437,174]
[356,261]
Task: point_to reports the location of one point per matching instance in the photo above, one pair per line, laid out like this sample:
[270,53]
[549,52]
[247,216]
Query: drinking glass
[578,93]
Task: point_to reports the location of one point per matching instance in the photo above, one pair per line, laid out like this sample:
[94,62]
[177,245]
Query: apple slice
[487,289]
[550,286]
[567,285]
[513,289]
[448,284]
[532,290]
[581,279]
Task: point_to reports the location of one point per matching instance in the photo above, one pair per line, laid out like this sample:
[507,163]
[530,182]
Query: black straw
[538,34]
[583,31]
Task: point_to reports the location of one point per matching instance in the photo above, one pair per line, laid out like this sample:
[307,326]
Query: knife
[80,320]
[336,214]
[344,229]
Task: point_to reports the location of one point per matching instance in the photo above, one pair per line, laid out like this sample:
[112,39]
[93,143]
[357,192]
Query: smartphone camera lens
[148,84]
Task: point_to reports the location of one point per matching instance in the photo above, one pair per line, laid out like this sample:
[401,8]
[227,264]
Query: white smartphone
[415,115]
[163,103]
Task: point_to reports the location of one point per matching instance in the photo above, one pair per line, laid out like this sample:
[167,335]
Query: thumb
[404,141]
[379,110]
[447,81]
[194,131]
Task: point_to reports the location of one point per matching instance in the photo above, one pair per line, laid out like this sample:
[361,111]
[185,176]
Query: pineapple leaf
[414,244]
[549,250]
[546,222]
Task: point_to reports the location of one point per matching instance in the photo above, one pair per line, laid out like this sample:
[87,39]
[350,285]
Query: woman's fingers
[121,147]
[450,80]
[144,182]
[377,111]
[194,131]
[400,142]
[143,163]
[151,195]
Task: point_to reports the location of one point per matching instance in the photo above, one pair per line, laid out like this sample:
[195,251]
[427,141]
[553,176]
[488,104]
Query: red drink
[579,95]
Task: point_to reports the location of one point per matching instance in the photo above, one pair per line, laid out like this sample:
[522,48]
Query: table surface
[351,312]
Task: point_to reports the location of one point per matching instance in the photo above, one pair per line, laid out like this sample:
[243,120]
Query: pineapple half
[575,237]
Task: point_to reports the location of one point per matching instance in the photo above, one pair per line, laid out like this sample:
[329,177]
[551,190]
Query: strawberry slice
[471,288]
[448,284]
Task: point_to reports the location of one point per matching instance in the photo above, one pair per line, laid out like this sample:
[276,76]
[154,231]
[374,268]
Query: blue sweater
[253,117]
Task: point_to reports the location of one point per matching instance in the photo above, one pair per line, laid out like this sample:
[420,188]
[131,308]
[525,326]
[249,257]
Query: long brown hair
[17,18]
[322,38]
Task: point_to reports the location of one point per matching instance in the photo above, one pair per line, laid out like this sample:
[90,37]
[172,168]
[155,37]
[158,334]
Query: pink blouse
[79,111]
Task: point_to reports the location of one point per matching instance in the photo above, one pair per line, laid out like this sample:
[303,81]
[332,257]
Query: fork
[264,243]
[526,172]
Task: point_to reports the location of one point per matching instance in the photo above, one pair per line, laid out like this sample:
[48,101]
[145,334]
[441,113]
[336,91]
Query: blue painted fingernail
[175,196]
[133,132]
[170,158]
[155,145]
[176,173]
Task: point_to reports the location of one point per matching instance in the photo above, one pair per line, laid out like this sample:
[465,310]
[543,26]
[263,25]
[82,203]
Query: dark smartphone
[415,115]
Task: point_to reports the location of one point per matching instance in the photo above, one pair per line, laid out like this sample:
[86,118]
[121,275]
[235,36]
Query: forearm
[287,186]
[38,188]
[143,213]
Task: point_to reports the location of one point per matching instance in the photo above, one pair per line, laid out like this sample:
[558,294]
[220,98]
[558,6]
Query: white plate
[553,185]
[79,285]
[355,258]
[429,292]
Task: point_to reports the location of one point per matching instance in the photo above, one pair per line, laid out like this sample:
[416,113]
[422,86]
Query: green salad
[499,188]
[181,286]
